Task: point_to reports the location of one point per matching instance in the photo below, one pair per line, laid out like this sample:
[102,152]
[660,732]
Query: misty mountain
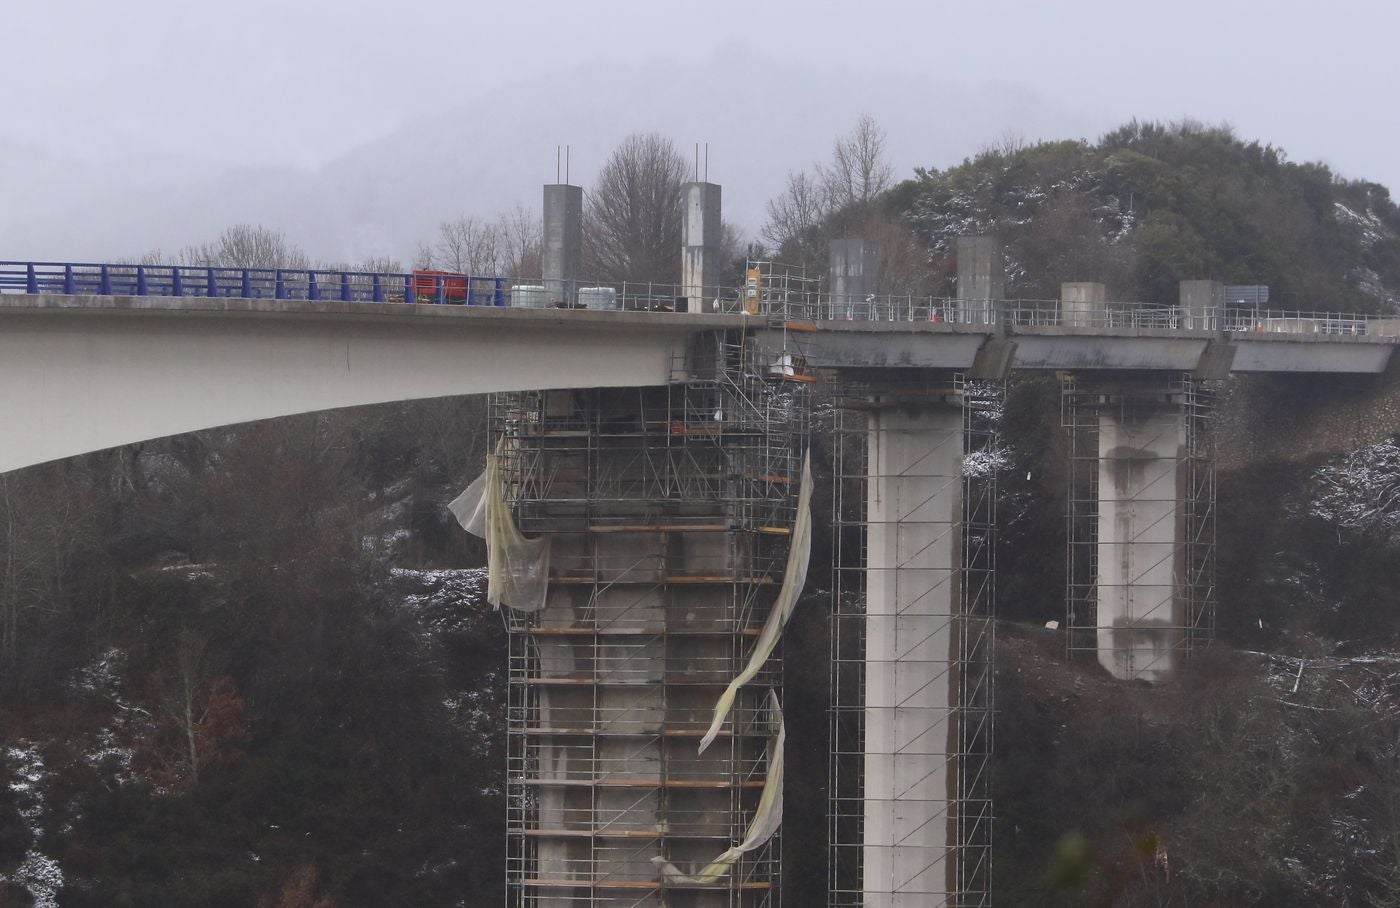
[761,119]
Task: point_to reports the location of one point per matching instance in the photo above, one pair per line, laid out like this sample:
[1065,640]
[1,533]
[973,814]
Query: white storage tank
[528,296]
[598,297]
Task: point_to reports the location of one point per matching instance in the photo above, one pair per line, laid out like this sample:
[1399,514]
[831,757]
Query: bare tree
[465,244]
[795,218]
[634,212]
[380,264]
[837,197]
[509,245]
[247,246]
[858,170]
[522,242]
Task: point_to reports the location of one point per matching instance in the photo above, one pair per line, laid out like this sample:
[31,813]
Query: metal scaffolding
[914,541]
[669,511]
[1141,521]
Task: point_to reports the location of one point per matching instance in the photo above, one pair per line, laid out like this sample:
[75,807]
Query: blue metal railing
[250,283]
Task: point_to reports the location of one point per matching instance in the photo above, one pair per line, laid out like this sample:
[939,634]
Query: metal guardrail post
[377,294]
[142,288]
[104,282]
[408,289]
[345,287]
[67,278]
[247,285]
[279,284]
[32,280]
[213,282]
[313,289]
[177,283]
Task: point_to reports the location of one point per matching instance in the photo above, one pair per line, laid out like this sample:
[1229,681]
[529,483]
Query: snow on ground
[37,874]
[1368,222]
[445,600]
[1361,490]
[982,464]
[102,678]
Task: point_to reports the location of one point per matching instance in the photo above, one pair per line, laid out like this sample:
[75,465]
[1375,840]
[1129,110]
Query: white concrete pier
[1141,619]
[913,561]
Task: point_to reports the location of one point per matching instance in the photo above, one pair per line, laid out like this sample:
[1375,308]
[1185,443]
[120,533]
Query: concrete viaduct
[85,372]
[87,367]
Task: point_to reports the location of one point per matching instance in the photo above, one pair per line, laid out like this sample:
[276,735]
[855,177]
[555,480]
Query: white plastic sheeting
[794,579]
[766,819]
[517,568]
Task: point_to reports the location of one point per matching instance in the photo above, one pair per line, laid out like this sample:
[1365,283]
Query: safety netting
[794,579]
[517,568]
[766,819]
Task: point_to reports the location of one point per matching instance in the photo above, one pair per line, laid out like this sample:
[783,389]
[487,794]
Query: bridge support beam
[1142,521]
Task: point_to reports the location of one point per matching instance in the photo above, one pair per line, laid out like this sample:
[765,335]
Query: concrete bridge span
[83,373]
[80,373]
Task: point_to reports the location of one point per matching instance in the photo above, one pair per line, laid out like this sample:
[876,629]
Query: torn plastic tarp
[517,569]
[794,578]
[766,819]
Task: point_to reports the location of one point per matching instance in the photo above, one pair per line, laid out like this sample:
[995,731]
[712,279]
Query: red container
[454,286]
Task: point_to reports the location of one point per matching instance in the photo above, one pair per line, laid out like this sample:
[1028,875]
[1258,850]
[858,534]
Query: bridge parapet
[318,284]
[331,285]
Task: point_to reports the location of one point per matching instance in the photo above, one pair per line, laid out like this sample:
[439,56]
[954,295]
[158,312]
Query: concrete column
[700,241]
[1141,539]
[851,272]
[563,242]
[1082,304]
[981,279]
[913,560]
[1202,303]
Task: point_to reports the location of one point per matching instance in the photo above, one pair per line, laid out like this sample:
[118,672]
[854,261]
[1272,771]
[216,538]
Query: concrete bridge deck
[85,372]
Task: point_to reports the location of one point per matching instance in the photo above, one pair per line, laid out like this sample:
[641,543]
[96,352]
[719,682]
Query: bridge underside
[85,373]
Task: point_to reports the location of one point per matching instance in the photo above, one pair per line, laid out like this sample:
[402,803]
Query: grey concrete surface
[701,235]
[981,278]
[1079,301]
[851,270]
[562,247]
[83,374]
[913,565]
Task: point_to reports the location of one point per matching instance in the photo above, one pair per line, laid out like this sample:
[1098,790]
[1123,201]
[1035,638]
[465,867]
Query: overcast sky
[300,82]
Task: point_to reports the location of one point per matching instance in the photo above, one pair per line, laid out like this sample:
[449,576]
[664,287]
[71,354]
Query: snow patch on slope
[37,874]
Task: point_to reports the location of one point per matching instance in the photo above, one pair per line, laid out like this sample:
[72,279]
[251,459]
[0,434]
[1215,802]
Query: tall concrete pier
[1141,620]
[563,242]
[701,234]
[913,555]
[1142,520]
[911,823]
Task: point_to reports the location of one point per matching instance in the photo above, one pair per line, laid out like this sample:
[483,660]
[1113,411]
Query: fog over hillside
[761,119]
